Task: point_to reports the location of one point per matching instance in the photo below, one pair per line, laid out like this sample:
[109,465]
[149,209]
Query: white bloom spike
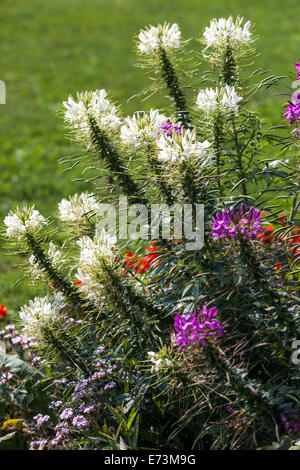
[184,147]
[227,31]
[22,221]
[72,210]
[224,99]
[91,104]
[141,129]
[100,246]
[165,36]
[37,314]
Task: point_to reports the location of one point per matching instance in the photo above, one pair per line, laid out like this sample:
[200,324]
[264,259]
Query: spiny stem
[254,268]
[165,189]
[239,156]
[217,138]
[109,154]
[134,299]
[172,83]
[228,72]
[58,280]
[60,345]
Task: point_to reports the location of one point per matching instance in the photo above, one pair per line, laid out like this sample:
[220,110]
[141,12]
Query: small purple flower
[55,404]
[197,326]
[80,421]
[37,444]
[89,409]
[232,222]
[99,350]
[41,419]
[110,385]
[66,414]
[169,128]
[98,375]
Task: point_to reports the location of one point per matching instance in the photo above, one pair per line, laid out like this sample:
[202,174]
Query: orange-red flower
[266,237]
[3,312]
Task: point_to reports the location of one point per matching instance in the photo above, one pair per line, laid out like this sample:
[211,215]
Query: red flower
[283,219]
[3,312]
[141,265]
[267,235]
[78,283]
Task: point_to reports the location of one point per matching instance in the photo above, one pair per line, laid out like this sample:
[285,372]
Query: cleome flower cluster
[117,349]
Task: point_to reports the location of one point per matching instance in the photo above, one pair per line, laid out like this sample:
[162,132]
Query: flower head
[159,360]
[197,326]
[74,209]
[89,105]
[223,100]
[297,67]
[168,128]
[183,147]
[161,36]
[227,31]
[38,313]
[3,312]
[232,222]
[141,129]
[22,221]
[293,109]
[91,249]
[80,421]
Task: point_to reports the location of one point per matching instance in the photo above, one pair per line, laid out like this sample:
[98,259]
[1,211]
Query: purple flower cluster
[21,344]
[170,128]
[197,326]
[81,412]
[297,67]
[293,109]
[41,419]
[291,424]
[232,222]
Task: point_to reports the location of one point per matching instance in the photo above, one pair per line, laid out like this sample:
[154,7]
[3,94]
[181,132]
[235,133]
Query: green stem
[172,83]
[228,73]
[218,138]
[109,154]
[58,280]
[157,168]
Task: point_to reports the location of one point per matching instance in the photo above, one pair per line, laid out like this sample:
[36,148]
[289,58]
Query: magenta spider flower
[169,128]
[293,109]
[233,222]
[197,326]
[297,67]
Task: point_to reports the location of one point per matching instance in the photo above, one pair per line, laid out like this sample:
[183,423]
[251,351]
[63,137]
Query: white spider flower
[91,250]
[224,99]
[158,361]
[90,288]
[184,147]
[76,113]
[102,110]
[227,31]
[39,313]
[164,36]
[91,104]
[141,129]
[72,210]
[53,254]
[22,221]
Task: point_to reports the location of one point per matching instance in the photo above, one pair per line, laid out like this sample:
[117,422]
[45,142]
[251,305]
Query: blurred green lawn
[53,48]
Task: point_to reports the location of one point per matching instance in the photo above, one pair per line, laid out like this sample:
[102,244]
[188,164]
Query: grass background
[53,48]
